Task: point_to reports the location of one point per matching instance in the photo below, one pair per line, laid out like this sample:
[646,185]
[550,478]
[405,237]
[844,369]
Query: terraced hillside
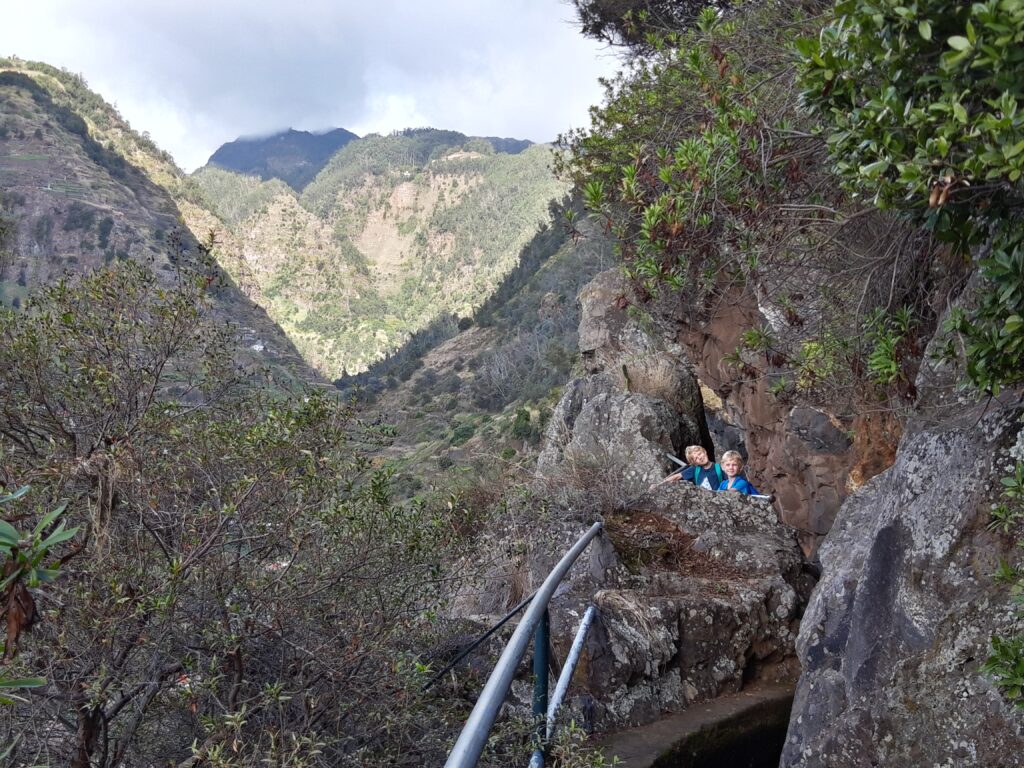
[73,200]
[394,232]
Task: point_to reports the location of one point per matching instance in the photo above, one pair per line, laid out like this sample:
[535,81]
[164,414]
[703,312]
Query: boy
[732,463]
[702,472]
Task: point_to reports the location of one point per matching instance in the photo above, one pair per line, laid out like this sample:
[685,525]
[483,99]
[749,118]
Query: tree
[921,103]
[630,22]
[244,589]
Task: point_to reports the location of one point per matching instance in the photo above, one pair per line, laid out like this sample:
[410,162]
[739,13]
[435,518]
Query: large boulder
[623,437]
[620,340]
[637,399]
[712,602]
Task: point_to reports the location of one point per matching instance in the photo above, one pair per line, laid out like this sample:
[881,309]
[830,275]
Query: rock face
[638,398]
[804,455]
[698,593]
[893,640]
[707,599]
[595,429]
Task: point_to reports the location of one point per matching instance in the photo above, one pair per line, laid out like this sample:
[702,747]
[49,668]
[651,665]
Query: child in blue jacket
[732,465]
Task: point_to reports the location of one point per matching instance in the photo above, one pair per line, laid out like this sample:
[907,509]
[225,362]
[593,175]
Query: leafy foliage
[993,330]
[673,199]
[637,23]
[921,99]
[922,105]
[243,583]
[23,569]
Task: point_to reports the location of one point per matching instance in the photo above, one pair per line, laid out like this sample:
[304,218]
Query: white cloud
[197,73]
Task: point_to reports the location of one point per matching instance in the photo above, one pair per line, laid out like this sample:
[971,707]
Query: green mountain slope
[295,157]
[74,200]
[395,232]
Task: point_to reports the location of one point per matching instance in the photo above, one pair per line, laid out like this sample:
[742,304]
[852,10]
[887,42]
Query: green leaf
[1011,152]
[48,518]
[58,536]
[8,534]
[15,495]
[23,682]
[959,43]
[924,28]
[876,168]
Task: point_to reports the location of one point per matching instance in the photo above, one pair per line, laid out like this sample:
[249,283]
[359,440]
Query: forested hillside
[395,232]
[295,157]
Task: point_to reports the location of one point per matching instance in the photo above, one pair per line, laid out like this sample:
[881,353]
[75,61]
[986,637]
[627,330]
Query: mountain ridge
[394,232]
[293,156]
[74,204]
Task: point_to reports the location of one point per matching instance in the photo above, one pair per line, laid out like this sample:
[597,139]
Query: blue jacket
[740,484]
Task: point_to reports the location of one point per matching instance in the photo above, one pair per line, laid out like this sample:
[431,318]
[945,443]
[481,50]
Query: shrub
[79,216]
[103,232]
[244,586]
[921,103]
[462,433]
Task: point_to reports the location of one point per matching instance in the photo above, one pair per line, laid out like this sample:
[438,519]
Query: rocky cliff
[699,594]
[894,638]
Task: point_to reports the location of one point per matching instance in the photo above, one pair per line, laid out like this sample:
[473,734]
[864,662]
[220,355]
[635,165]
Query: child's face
[699,457]
[731,467]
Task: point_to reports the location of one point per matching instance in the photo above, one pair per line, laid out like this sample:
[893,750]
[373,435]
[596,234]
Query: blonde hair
[732,455]
[688,453]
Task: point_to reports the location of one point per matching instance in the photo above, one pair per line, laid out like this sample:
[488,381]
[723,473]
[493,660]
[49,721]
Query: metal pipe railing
[537,761]
[471,741]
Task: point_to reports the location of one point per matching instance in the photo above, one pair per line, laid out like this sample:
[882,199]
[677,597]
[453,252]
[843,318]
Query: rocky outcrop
[620,340]
[596,429]
[698,594]
[808,457]
[896,632]
[712,603]
[638,397]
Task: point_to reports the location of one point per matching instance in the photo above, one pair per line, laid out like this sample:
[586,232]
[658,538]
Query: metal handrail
[537,761]
[471,741]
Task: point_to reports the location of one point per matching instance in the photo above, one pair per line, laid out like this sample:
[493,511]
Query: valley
[282,437]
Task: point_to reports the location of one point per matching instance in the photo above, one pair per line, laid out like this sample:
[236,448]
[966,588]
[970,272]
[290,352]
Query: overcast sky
[197,73]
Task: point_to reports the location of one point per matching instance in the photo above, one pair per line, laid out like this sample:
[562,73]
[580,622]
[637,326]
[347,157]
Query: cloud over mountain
[196,74]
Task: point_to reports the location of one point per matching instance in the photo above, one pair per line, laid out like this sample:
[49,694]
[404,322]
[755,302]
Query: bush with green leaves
[1005,663]
[27,563]
[242,583]
[703,168]
[921,101]
[922,106]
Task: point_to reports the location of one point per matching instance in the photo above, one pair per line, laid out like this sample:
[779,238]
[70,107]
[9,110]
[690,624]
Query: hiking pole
[678,461]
